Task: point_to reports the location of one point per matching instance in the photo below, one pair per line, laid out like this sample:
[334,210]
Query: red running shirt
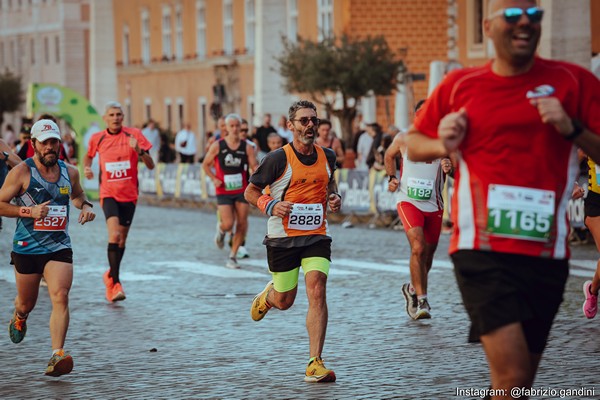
[118,162]
[515,173]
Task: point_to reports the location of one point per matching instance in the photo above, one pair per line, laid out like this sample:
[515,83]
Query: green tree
[11,94]
[347,67]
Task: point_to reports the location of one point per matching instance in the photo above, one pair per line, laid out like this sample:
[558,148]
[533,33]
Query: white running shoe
[219,237]
[232,263]
[242,252]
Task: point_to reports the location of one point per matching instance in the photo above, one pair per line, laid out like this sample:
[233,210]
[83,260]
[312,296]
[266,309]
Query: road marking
[579,268]
[198,267]
[583,268]
[399,266]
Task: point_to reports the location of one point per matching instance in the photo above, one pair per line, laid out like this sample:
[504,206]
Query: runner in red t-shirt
[120,149]
[514,125]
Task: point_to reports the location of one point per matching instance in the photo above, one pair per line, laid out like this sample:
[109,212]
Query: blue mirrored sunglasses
[512,15]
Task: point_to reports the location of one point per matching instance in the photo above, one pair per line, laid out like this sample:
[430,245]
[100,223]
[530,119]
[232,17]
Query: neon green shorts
[286,281]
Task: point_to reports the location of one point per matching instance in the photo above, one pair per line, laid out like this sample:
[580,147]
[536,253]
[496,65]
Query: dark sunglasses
[244,130]
[512,15]
[304,120]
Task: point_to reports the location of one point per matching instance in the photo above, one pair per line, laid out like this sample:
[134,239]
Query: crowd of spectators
[369,141]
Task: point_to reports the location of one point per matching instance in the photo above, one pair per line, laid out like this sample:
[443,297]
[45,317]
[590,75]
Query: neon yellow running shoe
[259,305]
[316,372]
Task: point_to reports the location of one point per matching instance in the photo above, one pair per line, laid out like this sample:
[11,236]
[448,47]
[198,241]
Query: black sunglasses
[512,15]
[243,130]
[304,120]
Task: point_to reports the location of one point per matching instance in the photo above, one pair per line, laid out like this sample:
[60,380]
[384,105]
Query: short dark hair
[300,104]
[324,122]
[376,127]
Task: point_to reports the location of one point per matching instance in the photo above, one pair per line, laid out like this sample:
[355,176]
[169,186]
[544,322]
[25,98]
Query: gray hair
[233,116]
[393,129]
[112,104]
[297,105]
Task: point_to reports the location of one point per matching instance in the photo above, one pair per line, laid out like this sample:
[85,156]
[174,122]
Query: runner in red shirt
[120,149]
[514,125]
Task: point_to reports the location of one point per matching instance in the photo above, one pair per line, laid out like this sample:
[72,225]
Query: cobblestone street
[184,304]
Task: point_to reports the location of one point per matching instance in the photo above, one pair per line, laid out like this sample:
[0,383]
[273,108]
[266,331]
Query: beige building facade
[175,61]
[45,41]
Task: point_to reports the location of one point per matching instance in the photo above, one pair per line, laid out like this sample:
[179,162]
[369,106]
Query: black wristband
[577,129]
[390,177]
[88,203]
[337,194]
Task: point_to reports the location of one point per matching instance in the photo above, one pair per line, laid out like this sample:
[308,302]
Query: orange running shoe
[108,282]
[118,293]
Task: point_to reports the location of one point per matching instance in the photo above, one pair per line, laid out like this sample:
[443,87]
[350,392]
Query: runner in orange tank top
[300,177]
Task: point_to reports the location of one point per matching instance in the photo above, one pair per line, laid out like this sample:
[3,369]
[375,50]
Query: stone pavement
[195,313]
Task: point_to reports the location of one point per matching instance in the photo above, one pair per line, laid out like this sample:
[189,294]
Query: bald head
[494,5]
[515,33]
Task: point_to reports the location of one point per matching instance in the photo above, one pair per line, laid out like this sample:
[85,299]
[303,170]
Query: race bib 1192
[419,189]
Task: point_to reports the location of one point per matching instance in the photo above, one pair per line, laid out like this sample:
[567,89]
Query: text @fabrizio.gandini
[518,392]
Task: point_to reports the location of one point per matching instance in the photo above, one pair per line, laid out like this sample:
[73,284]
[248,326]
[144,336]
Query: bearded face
[47,152]
[304,126]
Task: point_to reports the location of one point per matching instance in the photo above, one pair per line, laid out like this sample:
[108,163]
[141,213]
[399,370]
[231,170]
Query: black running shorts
[283,259]
[123,210]
[499,289]
[591,204]
[35,263]
[230,199]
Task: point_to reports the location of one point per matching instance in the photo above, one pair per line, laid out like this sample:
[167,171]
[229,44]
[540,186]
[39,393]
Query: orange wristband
[25,212]
[263,201]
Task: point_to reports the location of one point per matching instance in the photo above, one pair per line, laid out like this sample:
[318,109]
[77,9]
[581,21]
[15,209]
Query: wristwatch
[390,177]
[5,156]
[577,129]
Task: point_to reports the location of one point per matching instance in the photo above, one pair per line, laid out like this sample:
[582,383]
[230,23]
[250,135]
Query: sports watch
[577,129]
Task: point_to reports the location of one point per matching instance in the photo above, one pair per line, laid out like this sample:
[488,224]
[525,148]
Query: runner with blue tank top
[42,187]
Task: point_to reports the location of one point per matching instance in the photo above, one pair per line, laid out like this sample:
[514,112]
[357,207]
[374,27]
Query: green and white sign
[73,108]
